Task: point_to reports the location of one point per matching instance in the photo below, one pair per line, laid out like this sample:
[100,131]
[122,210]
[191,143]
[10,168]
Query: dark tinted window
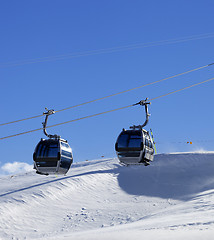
[53,151]
[123,141]
[64,144]
[46,149]
[147,142]
[65,162]
[129,140]
[66,154]
[134,141]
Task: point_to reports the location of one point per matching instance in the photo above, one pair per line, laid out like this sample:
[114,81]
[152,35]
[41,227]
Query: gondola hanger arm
[143,103]
[49,112]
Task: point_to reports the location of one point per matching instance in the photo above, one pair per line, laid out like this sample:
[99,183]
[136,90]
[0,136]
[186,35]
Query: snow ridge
[173,197]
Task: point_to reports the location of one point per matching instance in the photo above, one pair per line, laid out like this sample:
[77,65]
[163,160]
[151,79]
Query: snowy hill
[173,198]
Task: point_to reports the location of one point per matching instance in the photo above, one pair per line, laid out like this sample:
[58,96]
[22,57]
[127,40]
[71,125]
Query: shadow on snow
[176,176]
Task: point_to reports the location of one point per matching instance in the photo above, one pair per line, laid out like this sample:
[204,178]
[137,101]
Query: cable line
[74,120]
[98,99]
[20,120]
[108,50]
[131,89]
[196,84]
[113,110]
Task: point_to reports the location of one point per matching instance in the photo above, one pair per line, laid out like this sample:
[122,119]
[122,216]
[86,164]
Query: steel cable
[113,110]
[107,50]
[115,94]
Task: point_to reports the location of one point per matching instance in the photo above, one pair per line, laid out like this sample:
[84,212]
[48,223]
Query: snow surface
[173,198]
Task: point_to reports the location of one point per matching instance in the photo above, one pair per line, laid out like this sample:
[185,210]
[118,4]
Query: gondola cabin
[52,156]
[134,147]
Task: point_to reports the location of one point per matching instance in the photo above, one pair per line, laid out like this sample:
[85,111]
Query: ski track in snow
[173,198]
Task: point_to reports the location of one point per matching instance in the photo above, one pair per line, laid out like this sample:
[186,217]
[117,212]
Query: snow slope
[173,198]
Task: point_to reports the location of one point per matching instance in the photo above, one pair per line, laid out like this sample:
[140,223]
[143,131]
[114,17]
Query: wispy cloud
[15,167]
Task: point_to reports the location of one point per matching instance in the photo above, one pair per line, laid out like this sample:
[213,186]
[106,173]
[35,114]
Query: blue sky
[37,71]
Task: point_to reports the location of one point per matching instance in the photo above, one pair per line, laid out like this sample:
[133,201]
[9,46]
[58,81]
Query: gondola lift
[52,155]
[135,146]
